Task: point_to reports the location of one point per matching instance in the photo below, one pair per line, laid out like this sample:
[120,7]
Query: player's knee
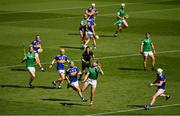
[40,50]
[33,76]
[38,61]
[82,90]
[154,97]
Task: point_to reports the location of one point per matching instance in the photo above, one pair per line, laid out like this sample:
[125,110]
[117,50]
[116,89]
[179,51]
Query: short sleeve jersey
[60,60]
[162,78]
[147,44]
[93,73]
[73,73]
[86,56]
[90,23]
[35,45]
[30,59]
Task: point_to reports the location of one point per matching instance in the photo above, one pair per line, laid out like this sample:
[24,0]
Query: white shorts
[148,53]
[90,35]
[31,69]
[121,23]
[160,91]
[36,55]
[61,71]
[91,82]
[74,84]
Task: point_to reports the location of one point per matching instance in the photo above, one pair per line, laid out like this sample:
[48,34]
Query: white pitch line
[101,15]
[136,109]
[70,8]
[59,9]
[100,58]
[144,11]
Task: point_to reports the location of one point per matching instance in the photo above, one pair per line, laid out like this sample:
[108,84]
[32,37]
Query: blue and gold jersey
[90,23]
[162,78]
[36,45]
[73,74]
[91,10]
[60,60]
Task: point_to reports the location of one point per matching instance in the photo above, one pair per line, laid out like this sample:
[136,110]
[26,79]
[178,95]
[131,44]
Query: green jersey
[147,44]
[93,73]
[121,13]
[30,59]
[83,21]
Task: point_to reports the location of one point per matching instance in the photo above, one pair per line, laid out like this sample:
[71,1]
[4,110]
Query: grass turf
[124,85]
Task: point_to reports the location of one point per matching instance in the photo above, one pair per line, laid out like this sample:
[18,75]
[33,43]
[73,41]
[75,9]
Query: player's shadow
[136,106]
[18,69]
[131,69]
[106,36]
[55,99]
[18,86]
[72,47]
[73,34]
[72,104]
[65,102]
[99,35]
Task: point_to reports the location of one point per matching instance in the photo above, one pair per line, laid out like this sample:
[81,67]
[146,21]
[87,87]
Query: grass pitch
[124,86]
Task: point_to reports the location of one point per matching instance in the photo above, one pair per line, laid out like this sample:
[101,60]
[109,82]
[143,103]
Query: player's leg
[94,42]
[93,90]
[83,71]
[61,79]
[118,29]
[85,86]
[31,71]
[167,97]
[81,36]
[154,97]
[38,61]
[87,39]
[145,60]
[152,59]
[125,23]
[75,86]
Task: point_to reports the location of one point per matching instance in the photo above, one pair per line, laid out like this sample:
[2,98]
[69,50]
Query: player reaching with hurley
[91,12]
[160,83]
[60,60]
[121,20]
[30,60]
[91,79]
[147,49]
[72,76]
[37,47]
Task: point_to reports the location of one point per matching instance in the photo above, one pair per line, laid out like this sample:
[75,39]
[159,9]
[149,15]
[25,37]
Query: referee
[87,55]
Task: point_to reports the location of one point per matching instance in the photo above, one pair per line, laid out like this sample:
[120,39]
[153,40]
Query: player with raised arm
[160,83]
[91,12]
[86,60]
[147,49]
[60,60]
[91,79]
[38,49]
[72,76]
[30,59]
[121,22]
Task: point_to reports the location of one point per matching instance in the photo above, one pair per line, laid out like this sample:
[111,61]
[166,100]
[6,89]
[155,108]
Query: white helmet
[93,4]
[122,4]
[159,71]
